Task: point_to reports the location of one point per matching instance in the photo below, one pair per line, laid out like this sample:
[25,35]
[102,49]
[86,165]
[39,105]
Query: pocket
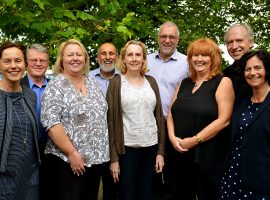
[34,179]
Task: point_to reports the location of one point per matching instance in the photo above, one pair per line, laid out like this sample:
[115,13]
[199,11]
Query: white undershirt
[138,105]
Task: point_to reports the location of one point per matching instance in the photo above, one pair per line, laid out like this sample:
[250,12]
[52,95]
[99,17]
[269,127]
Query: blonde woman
[74,111]
[136,125]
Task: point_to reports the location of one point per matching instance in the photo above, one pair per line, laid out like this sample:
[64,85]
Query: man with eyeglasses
[38,62]
[169,67]
[239,39]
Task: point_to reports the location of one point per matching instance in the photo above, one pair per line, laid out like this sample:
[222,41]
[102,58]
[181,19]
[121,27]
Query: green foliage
[94,22]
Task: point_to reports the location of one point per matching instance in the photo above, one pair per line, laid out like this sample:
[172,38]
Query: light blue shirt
[39,91]
[102,82]
[168,75]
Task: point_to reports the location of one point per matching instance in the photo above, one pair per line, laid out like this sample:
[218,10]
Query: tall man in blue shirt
[169,67]
[107,56]
[38,62]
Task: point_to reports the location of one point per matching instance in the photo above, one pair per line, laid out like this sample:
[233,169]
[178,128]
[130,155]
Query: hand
[115,170]
[159,163]
[76,163]
[177,144]
[188,142]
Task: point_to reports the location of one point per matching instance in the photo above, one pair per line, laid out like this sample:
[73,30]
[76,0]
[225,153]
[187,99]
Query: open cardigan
[6,124]
[115,118]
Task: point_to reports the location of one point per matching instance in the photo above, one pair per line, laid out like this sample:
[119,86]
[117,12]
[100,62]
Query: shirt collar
[174,56]
[97,72]
[31,83]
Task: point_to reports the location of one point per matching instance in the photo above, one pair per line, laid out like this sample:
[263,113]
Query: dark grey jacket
[6,123]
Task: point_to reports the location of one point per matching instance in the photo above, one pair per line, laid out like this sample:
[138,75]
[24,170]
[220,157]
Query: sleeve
[160,120]
[51,105]
[111,125]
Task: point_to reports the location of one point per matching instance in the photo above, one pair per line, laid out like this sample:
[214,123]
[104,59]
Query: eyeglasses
[35,61]
[171,37]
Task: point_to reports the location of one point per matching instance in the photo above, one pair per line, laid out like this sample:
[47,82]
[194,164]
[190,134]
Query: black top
[191,113]
[239,84]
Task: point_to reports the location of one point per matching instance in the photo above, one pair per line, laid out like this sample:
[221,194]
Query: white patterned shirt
[138,105]
[83,117]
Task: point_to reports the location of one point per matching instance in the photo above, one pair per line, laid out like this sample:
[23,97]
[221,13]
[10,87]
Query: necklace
[77,85]
[198,83]
[24,136]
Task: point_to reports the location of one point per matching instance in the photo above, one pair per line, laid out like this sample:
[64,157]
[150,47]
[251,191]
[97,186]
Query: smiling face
[12,65]
[255,72]
[73,60]
[238,42]
[107,57]
[133,58]
[37,63]
[167,41]
[201,63]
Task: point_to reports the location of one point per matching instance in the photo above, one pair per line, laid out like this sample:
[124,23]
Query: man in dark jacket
[38,62]
[239,39]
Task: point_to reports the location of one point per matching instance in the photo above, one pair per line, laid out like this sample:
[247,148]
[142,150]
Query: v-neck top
[191,113]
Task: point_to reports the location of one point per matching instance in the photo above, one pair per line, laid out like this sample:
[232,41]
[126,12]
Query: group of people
[159,126]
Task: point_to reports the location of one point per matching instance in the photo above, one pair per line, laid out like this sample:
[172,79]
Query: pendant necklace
[75,85]
[24,136]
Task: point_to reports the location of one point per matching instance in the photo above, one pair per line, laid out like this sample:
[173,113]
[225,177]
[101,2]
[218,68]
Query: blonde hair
[248,29]
[59,68]
[122,66]
[205,46]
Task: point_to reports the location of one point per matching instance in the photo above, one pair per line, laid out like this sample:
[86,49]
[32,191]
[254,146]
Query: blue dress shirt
[102,82]
[168,74]
[39,91]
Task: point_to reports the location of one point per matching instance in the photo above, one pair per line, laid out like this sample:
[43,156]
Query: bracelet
[198,139]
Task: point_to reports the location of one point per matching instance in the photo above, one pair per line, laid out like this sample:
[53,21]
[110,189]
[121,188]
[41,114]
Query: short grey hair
[169,23]
[38,47]
[250,33]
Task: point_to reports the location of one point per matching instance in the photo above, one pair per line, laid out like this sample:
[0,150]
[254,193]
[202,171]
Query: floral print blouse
[84,118]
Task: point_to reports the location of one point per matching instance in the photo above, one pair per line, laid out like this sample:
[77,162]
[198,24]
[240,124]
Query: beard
[107,68]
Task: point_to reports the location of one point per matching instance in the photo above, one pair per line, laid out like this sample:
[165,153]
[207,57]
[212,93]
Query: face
[167,41]
[37,63]
[73,60]
[255,72]
[12,65]
[134,58]
[107,57]
[201,63]
[237,42]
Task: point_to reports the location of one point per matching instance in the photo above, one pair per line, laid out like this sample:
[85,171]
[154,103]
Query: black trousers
[136,173]
[59,182]
[109,188]
[184,180]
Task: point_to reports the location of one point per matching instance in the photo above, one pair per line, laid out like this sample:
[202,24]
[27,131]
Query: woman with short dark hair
[19,154]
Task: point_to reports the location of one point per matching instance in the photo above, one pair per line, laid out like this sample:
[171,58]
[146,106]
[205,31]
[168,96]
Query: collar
[174,56]
[31,83]
[96,72]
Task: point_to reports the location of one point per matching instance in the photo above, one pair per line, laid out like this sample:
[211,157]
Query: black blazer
[255,157]
[25,81]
